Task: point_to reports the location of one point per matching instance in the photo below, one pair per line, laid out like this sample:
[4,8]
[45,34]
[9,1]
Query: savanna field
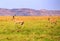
[34,28]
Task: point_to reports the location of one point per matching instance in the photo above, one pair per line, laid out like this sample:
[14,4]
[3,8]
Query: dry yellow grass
[25,18]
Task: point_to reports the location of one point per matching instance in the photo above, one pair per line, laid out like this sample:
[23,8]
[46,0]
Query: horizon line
[30,8]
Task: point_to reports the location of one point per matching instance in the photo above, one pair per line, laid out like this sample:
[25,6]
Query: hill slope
[28,12]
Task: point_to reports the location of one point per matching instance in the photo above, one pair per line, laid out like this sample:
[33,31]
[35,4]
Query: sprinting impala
[17,21]
[52,20]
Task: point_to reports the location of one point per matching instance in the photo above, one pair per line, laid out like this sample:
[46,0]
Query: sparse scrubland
[35,28]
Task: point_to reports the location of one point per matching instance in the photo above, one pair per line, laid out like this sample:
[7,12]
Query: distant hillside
[28,12]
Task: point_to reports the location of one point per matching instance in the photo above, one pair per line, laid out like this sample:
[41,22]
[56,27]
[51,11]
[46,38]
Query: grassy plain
[35,28]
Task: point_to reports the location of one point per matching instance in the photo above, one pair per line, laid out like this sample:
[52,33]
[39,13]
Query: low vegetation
[33,29]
